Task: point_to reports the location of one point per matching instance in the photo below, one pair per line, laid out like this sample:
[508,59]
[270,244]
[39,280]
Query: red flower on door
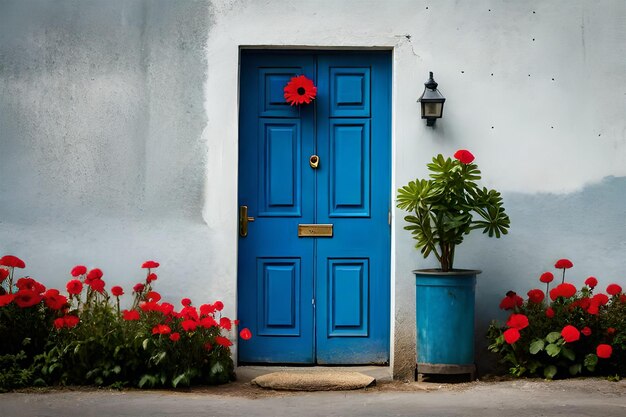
[300,90]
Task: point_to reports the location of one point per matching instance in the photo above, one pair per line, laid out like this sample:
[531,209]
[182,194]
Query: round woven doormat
[314,381]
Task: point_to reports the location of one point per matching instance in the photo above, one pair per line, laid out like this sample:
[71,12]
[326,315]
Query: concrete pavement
[580,397]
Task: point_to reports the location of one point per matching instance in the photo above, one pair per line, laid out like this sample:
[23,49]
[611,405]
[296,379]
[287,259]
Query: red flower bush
[546,333]
[300,90]
[464,156]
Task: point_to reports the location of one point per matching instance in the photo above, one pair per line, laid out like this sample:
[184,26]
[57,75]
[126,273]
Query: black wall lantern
[432,102]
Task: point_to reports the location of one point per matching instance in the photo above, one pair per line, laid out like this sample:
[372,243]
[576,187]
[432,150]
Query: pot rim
[453,272]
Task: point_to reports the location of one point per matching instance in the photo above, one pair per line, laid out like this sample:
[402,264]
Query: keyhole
[314,161]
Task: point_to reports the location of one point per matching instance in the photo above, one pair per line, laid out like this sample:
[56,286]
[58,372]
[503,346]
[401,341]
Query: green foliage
[15,371]
[443,209]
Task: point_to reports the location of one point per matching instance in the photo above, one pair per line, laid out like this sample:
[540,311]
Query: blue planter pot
[445,321]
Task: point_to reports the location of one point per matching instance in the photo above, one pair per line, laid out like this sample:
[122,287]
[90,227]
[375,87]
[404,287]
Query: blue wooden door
[315,299]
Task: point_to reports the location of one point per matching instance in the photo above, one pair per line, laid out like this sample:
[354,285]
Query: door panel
[315,299]
[353,135]
[275,267]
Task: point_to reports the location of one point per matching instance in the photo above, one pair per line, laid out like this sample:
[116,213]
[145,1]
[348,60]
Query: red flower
[71,321]
[600,299]
[208,322]
[6,299]
[593,307]
[189,313]
[622,298]
[591,282]
[151,277]
[225,323]
[94,274]
[4,273]
[30,284]
[12,261]
[139,287]
[610,331]
[562,290]
[219,306]
[175,337]
[563,264]
[96,285]
[130,315]
[546,277]
[150,264]
[464,156]
[223,341]
[153,296]
[189,325]
[78,270]
[300,90]
[586,331]
[570,334]
[161,329]
[149,306]
[54,300]
[517,321]
[604,351]
[186,302]
[511,300]
[167,309]
[27,298]
[236,322]
[246,334]
[549,312]
[117,291]
[511,335]
[206,309]
[536,296]
[613,289]
[208,346]
[59,323]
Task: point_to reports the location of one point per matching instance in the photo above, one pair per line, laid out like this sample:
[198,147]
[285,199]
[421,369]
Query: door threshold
[247,373]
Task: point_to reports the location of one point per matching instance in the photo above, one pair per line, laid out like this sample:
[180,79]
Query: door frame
[392,142]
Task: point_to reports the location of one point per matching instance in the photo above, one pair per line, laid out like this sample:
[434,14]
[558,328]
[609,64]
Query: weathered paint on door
[315,299]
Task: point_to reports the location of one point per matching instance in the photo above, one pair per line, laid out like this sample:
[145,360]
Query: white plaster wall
[118,132]
[535,89]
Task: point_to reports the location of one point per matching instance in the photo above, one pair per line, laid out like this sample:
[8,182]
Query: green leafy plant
[575,332]
[444,207]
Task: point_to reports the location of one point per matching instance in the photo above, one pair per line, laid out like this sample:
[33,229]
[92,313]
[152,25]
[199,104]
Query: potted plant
[443,210]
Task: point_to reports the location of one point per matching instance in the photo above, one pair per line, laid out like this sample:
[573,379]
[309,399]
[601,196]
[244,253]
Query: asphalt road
[590,397]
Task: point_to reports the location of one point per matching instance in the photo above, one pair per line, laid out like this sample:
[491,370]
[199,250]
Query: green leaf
[568,353]
[553,337]
[147,379]
[145,344]
[575,369]
[217,368]
[117,369]
[591,360]
[536,346]
[553,350]
[178,379]
[549,371]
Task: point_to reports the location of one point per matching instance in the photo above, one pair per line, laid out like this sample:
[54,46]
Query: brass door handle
[314,161]
[243,221]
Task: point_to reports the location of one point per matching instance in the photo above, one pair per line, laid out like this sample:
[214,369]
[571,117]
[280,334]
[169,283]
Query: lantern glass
[432,109]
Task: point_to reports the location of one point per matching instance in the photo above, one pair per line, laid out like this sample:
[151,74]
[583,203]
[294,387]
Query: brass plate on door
[315,230]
